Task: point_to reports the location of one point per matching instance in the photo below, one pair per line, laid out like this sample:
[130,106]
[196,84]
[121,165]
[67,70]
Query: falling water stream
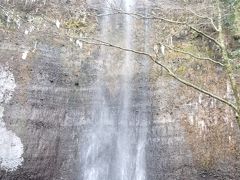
[116,141]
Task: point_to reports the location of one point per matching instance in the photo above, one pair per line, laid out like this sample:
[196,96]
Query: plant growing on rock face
[224,59]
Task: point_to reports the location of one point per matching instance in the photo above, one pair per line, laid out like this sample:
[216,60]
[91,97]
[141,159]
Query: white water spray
[116,141]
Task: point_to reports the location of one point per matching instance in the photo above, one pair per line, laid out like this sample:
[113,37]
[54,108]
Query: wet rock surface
[50,109]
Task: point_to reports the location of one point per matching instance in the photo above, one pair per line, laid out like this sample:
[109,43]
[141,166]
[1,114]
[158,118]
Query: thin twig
[169,21]
[193,55]
[205,35]
[204,17]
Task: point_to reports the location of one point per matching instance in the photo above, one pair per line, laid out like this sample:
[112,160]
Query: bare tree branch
[204,17]
[193,55]
[153,17]
[205,35]
[153,59]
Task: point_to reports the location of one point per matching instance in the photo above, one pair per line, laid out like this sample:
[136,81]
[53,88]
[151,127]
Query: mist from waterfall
[115,148]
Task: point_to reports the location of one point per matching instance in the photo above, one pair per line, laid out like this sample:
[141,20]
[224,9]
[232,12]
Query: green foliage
[75,24]
[2,20]
[235,54]
[181,70]
[9,19]
[231,19]
[230,2]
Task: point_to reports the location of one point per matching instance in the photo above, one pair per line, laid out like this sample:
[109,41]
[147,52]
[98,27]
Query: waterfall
[115,147]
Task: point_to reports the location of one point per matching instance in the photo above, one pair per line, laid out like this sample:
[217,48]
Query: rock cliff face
[48,80]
